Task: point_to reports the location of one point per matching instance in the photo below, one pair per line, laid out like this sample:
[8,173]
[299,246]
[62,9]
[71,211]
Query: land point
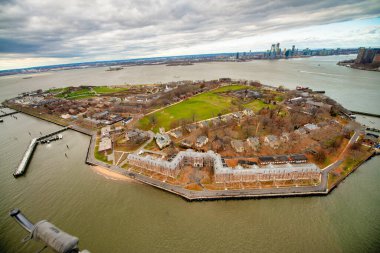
[211,139]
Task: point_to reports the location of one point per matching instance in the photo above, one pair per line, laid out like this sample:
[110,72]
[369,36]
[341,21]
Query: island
[367,59]
[217,139]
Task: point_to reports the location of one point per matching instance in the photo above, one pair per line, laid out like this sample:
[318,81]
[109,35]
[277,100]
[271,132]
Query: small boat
[302,88]
[1,120]
[52,138]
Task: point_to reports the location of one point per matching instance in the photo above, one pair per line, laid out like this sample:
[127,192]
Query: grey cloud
[92,28]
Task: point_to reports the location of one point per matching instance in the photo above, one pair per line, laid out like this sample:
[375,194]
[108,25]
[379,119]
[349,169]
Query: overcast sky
[44,32]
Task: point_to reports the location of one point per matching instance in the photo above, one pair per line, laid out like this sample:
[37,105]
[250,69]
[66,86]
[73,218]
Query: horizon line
[163,57]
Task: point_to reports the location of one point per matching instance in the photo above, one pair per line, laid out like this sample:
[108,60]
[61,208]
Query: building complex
[224,173]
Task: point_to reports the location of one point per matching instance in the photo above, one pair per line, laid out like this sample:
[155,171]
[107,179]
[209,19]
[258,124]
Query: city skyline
[59,34]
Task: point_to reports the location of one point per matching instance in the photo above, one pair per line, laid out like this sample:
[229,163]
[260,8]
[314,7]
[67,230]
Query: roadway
[319,189]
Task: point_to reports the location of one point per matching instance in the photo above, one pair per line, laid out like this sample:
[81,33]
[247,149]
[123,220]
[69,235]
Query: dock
[7,114]
[53,133]
[372,129]
[23,165]
[26,159]
[367,114]
[50,139]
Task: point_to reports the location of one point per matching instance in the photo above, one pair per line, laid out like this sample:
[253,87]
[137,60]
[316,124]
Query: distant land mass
[181,60]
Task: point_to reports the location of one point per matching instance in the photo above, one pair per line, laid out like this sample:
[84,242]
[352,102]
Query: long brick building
[223,173]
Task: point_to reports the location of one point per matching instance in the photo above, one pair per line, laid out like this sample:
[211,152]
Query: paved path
[7,114]
[151,137]
[320,189]
[206,194]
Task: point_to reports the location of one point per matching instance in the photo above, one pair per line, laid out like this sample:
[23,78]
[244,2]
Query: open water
[119,216]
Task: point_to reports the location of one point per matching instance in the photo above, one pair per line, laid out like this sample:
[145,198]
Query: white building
[223,173]
[163,140]
[105,144]
[201,141]
[105,131]
[237,145]
[254,142]
[248,112]
[272,141]
[310,127]
[176,134]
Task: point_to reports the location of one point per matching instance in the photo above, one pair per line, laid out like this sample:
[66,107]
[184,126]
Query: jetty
[8,114]
[50,139]
[23,165]
[53,133]
[372,129]
[367,114]
[26,159]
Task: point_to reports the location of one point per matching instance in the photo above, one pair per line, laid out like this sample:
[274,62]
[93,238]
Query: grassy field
[199,107]
[257,105]
[86,92]
[57,90]
[77,94]
[100,155]
[108,89]
[233,88]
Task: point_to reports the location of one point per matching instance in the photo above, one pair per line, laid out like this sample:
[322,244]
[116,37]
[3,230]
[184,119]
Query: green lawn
[81,93]
[108,89]
[256,105]
[86,92]
[233,88]
[57,90]
[100,156]
[202,106]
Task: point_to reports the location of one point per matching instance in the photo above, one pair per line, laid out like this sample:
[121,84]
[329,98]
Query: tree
[356,145]
[217,144]
[153,119]
[193,116]
[174,124]
[320,156]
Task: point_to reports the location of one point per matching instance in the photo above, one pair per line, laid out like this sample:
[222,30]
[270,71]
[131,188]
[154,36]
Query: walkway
[8,114]
[206,194]
[29,153]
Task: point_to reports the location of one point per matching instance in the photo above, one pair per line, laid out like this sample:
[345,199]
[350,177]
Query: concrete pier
[23,165]
[367,114]
[53,133]
[7,114]
[26,159]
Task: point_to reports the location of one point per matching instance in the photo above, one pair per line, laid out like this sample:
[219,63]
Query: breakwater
[23,165]
[7,114]
[367,114]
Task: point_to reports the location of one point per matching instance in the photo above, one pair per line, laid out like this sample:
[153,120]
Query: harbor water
[111,215]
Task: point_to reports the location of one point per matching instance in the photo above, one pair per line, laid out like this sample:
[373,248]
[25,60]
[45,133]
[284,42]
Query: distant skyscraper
[288,53]
[273,50]
[278,50]
[367,55]
[360,56]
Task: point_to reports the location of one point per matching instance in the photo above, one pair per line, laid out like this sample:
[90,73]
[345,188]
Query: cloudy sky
[44,32]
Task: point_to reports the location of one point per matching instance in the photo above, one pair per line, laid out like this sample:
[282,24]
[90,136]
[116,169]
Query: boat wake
[319,73]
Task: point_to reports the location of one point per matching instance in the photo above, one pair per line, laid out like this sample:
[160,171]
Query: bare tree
[153,119]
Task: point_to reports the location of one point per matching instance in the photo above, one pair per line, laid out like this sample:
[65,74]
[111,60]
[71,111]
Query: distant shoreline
[119,173]
[168,61]
[353,65]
